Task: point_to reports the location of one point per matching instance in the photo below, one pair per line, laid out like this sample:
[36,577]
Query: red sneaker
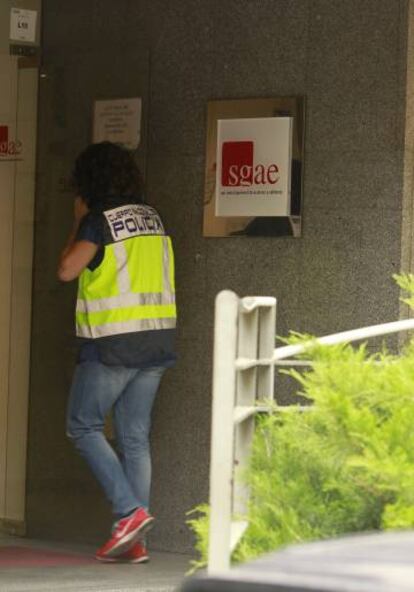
[137,554]
[126,533]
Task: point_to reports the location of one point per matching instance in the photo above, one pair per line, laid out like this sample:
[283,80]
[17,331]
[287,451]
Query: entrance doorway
[18,116]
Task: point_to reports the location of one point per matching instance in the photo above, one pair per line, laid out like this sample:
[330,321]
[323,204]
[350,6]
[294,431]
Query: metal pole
[287,351]
[222,436]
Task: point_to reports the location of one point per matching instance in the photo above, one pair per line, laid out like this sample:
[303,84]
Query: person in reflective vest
[125,322]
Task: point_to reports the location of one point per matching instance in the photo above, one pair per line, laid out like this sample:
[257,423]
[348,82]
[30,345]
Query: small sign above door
[23,25]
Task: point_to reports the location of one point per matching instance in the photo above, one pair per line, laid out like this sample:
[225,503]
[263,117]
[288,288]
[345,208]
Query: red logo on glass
[239,170]
[7,147]
[4,139]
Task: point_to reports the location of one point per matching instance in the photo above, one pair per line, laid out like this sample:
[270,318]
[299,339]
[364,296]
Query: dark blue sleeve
[91,229]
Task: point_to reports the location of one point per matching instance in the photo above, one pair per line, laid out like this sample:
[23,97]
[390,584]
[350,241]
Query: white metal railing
[243,382]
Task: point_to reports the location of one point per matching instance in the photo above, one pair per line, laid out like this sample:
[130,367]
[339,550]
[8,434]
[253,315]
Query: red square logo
[4,138]
[237,164]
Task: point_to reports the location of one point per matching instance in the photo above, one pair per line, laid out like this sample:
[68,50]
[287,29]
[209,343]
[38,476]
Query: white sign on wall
[23,25]
[253,166]
[118,121]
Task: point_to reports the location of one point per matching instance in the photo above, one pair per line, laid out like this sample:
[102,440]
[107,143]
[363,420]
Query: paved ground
[43,567]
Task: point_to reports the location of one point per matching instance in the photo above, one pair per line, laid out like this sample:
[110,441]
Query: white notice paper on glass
[118,121]
[23,25]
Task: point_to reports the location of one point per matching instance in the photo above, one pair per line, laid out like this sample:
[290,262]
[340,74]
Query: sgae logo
[239,170]
[7,147]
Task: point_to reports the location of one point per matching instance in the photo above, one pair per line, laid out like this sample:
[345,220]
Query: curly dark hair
[106,174]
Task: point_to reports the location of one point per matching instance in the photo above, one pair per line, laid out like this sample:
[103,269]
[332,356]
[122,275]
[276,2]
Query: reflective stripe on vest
[132,289]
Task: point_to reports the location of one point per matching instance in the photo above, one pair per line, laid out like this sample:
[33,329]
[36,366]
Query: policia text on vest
[126,222]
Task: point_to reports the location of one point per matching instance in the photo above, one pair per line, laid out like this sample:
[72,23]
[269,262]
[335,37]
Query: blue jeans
[96,389]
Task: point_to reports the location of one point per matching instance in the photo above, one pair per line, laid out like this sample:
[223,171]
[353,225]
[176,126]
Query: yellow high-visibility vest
[133,288]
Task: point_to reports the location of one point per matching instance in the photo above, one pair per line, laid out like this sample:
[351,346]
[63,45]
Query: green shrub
[344,465]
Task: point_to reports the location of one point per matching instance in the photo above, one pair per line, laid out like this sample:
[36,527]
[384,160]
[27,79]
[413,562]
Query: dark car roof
[364,563]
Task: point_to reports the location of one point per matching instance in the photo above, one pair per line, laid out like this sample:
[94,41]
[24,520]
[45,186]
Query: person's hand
[80,209]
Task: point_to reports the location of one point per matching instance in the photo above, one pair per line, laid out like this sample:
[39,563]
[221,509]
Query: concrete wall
[349,59]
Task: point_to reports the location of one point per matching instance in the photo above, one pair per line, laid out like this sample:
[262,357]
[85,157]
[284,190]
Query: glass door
[18,117]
